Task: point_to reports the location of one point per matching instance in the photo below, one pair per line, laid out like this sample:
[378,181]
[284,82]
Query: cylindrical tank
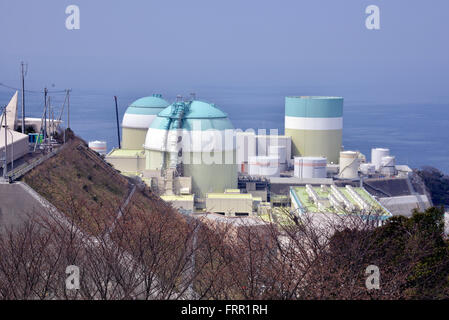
[315,125]
[99,146]
[367,168]
[377,154]
[269,166]
[387,166]
[349,164]
[310,167]
[264,166]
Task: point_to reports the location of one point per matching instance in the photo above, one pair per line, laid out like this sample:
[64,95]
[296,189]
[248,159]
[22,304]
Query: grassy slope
[80,186]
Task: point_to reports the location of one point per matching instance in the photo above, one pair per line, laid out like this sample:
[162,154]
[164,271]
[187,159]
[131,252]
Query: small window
[241,214]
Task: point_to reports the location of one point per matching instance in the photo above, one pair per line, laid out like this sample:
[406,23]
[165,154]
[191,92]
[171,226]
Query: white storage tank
[99,146]
[264,166]
[367,168]
[349,164]
[388,164]
[310,167]
[377,154]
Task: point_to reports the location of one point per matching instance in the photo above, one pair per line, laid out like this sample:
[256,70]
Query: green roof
[197,110]
[199,115]
[305,201]
[148,105]
[314,107]
[194,124]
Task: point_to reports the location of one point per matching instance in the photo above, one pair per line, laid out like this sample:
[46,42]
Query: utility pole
[118,126]
[23,95]
[53,126]
[49,117]
[5,168]
[68,108]
[62,112]
[45,115]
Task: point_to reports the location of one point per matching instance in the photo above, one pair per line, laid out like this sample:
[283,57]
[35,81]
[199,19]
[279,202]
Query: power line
[30,91]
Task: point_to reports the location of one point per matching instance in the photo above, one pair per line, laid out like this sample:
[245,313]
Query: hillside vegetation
[437,183]
[82,186]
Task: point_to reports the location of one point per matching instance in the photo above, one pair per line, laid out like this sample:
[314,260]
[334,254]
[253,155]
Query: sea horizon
[414,132]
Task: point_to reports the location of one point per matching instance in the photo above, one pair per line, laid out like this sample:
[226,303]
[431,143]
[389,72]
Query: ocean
[416,134]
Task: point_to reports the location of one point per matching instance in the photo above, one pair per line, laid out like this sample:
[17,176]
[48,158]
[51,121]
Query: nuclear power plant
[189,153]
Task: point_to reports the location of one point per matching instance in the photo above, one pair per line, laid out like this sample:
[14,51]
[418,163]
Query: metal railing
[22,170]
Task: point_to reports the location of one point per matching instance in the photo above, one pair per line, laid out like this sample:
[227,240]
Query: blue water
[417,134]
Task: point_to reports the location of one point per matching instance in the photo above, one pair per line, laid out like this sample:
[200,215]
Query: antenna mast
[45,115]
[5,166]
[118,126]
[68,108]
[24,72]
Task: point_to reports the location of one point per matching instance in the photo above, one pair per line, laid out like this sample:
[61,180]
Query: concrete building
[128,161]
[183,202]
[37,123]
[14,143]
[315,125]
[17,147]
[230,204]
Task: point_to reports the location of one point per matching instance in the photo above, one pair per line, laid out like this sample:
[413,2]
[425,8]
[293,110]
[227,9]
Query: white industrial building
[16,143]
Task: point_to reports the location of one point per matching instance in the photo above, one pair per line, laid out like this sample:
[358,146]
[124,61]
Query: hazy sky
[136,45]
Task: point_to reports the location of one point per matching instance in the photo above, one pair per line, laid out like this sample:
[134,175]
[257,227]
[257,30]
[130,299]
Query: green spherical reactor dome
[141,113]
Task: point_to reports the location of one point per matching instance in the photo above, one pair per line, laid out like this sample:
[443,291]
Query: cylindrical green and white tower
[315,125]
[138,118]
